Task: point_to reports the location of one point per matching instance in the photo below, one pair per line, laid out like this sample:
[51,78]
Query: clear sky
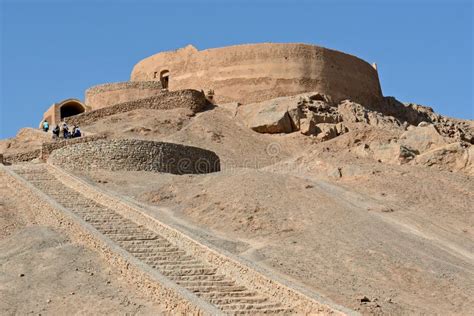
[53,50]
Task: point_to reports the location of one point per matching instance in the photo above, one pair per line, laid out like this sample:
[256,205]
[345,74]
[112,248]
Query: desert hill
[369,207]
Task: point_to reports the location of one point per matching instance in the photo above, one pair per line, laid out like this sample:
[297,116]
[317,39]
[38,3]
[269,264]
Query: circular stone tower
[258,72]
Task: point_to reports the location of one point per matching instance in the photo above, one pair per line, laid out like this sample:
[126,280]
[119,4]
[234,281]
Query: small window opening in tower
[165,79]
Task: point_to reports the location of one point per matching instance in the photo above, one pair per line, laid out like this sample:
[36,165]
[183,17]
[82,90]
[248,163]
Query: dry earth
[43,272]
[337,216]
[343,224]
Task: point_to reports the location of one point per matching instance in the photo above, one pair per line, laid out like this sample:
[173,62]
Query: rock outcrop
[454,157]
[313,114]
[422,138]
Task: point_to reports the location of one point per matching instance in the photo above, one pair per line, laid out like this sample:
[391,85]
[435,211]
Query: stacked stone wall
[191,99]
[46,149]
[136,155]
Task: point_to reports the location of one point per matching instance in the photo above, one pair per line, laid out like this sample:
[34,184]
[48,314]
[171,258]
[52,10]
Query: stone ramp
[193,274]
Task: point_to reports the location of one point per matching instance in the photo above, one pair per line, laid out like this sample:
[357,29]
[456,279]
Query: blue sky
[53,50]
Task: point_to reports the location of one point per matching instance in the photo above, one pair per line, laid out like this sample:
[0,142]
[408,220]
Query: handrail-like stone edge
[254,277]
[149,281]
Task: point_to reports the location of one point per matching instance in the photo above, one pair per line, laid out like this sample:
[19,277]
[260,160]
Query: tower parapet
[258,72]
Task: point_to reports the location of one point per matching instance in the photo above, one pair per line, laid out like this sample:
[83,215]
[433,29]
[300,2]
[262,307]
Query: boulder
[391,152]
[422,138]
[458,130]
[295,112]
[307,126]
[457,156]
[267,117]
[326,118]
[341,129]
[318,106]
[381,121]
[271,122]
[288,114]
[232,107]
[352,112]
[326,131]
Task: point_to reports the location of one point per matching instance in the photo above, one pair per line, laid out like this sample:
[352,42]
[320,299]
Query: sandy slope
[26,139]
[322,214]
[401,235]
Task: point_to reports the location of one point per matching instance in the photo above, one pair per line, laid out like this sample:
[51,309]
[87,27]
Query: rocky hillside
[419,135]
[371,207]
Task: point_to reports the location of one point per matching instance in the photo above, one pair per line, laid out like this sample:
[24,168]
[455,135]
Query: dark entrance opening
[165,79]
[70,109]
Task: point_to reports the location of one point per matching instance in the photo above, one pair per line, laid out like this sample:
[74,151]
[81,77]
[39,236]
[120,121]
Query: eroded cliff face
[258,72]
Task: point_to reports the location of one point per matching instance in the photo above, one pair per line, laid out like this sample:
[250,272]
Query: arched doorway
[70,108]
[165,78]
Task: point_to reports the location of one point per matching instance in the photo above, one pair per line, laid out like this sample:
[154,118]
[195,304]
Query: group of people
[64,129]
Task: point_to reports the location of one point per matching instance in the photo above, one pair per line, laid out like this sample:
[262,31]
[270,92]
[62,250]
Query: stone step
[205,283]
[216,288]
[83,201]
[37,179]
[144,255]
[211,295]
[170,262]
[23,172]
[125,237]
[154,250]
[241,300]
[73,201]
[169,256]
[128,231]
[112,220]
[79,206]
[157,247]
[253,307]
[91,211]
[268,311]
[142,242]
[107,227]
[102,218]
[177,272]
[216,277]
[179,267]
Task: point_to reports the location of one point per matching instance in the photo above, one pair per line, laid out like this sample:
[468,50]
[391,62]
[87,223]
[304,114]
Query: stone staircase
[151,248]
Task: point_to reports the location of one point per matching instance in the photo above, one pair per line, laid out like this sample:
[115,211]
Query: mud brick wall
[119,92]
[191,99]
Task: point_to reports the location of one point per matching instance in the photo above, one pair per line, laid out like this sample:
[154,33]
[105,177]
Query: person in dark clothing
[66,133]
[76,132]
[56,131]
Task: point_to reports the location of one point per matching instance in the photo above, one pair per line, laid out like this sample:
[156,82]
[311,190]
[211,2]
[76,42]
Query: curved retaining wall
[258,72]
[119,92]
[136,155]
[190,99]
